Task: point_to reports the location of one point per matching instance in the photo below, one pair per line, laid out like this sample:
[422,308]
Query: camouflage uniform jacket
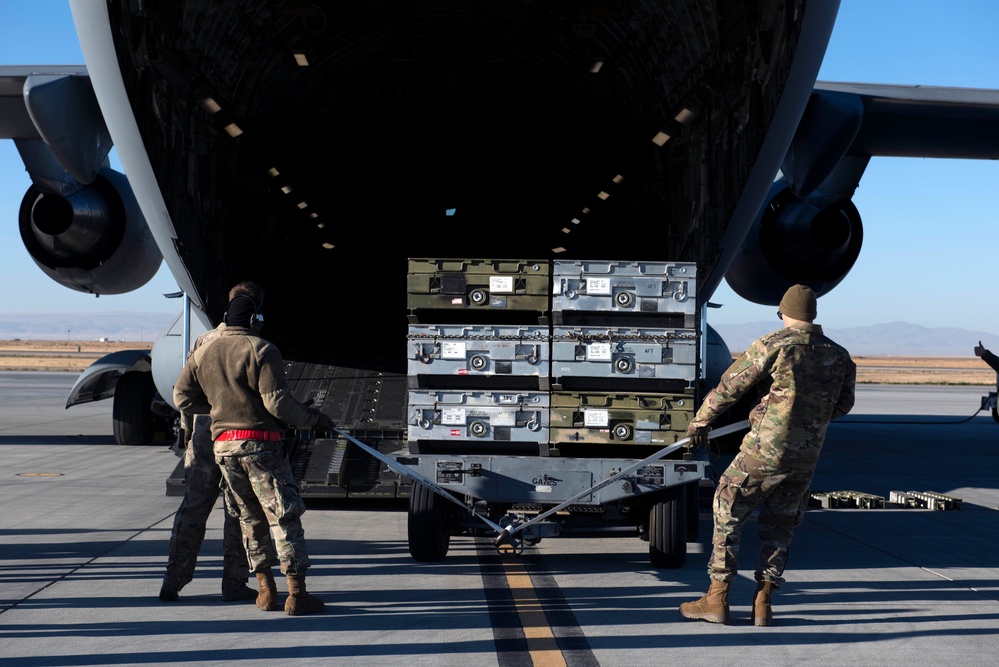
[810,380]
[187,417]
[240,381]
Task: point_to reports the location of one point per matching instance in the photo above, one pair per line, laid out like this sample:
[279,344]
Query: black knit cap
[240,311]
[799,303]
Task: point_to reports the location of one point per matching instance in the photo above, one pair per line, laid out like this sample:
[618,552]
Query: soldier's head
[245,303]
[798,304]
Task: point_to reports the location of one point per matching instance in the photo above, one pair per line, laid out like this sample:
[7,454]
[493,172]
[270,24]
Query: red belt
[248,434]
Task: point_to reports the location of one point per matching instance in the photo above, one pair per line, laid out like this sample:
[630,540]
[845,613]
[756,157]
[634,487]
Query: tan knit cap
[799,303]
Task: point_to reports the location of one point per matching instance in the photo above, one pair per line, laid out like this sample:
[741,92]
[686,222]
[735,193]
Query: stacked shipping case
[479,356]
[567,358]
[624,355]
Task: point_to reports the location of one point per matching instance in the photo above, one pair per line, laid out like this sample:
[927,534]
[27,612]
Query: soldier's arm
[848,394]
[991,359]
[187,393]
[746,372]
[277,398]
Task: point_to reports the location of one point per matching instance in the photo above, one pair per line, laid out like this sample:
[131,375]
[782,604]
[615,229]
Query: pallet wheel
[429,535]
[668,530]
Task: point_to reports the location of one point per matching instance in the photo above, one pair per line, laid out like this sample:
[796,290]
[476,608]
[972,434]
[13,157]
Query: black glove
[324,423]
[698,435]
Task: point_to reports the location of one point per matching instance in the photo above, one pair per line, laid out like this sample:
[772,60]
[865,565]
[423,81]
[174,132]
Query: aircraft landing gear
[131,416]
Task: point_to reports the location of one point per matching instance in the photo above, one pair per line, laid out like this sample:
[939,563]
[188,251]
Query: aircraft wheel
[131,414]
[668,530]
[429,537]
[692,501]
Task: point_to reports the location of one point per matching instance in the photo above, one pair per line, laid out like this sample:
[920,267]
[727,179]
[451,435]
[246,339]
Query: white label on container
[453,350]
[598,352]
[501,284]
[596,418]
[598,286]
[452,416]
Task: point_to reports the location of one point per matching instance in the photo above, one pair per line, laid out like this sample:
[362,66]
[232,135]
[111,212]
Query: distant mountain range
[891,339]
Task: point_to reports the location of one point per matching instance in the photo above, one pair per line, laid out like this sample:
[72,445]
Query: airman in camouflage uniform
[809,380]
[241,378]
[202,479]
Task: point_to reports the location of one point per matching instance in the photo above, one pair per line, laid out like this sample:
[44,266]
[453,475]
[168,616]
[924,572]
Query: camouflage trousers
[202,480]
[260,488]
[781,496]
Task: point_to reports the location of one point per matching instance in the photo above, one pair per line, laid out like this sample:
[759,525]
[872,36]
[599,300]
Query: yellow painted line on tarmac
[541,644]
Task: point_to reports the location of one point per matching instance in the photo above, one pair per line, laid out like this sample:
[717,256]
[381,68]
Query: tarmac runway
[85,527]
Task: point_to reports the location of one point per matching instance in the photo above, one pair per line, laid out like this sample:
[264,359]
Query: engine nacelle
[95,240]
[793,242]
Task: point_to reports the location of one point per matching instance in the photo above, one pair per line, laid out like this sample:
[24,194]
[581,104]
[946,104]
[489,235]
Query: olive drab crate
[619,418]
[476,288]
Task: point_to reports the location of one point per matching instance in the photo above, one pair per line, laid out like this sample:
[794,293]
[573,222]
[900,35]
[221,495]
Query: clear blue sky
[931,227]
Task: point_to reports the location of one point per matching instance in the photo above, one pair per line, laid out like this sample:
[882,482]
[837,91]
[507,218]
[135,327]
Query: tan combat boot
[713,607]
[299,601]
[762,613]
[267,597]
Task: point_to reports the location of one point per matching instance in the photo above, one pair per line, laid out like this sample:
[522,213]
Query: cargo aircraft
[313,147]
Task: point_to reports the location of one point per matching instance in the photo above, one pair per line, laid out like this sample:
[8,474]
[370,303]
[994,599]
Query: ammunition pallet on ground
[925,499]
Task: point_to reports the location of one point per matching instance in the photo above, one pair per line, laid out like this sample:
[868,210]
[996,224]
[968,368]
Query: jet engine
[92,240]
[794,241]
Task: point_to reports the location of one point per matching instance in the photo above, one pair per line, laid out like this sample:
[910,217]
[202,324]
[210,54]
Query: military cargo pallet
[479,290]
[482,421]
[925,499]
[619,418]
[626,354]
[601,293]
[845,500]
[479,356]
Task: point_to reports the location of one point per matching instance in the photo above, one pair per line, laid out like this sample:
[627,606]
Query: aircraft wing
[845,124]
[810,231]
[922,121]
[33,112]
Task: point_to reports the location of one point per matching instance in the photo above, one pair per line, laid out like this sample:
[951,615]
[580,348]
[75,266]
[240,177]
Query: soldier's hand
[698,435]
[324,423]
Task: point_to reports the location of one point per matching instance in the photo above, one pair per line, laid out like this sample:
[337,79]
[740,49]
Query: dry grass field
[924,370]
[54,355]
[33,355]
